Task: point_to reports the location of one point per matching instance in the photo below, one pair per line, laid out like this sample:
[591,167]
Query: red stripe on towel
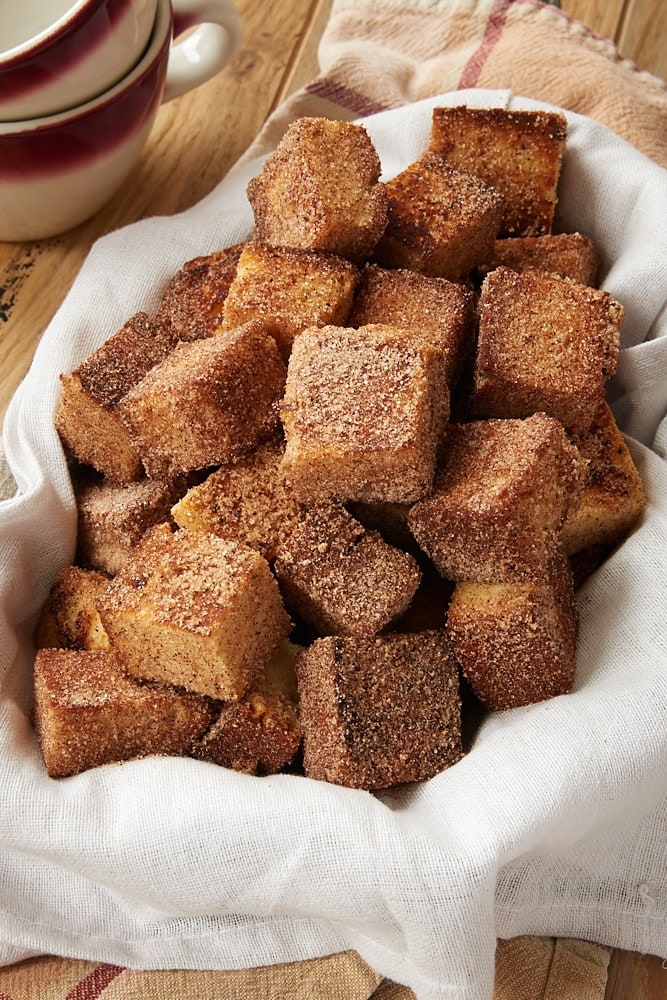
[345,97]
[94,984]
[492,32]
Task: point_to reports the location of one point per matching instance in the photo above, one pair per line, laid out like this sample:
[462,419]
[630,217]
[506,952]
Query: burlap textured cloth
[378,54]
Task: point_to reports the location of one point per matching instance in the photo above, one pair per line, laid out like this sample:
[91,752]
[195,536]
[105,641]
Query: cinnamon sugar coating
[516,642]
[208,401]
[379,711]
[545,343]
[111,518]
[320,190]
[363,412]
[195,611]
[261,733]
[289,289]
[519,153]
[69,618]
[88,712]
[439,311]
[246,500]
[88,418]
[443,222]
[342,578]
[499,500]
[570,255]
[613,497]
[192,303]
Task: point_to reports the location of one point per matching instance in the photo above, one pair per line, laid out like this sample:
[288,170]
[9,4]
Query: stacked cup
[81,82]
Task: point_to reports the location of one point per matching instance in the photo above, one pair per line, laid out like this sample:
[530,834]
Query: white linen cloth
[556,821]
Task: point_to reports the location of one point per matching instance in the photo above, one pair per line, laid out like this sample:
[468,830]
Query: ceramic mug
[55,54]
[57,171]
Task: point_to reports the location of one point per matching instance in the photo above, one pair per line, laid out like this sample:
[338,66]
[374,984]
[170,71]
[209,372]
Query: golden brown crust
[379,711]
[499,500]
[89,713]
[246,500]
[261,733]
[570,255]
[363,412]
[88,417]
[516,642]
[443,222]
[69,619]
[545,344]
[111,518]
[518,152]
[320,190]
[289,289]
[342,578]
[208,401]
[613,496]
[436,310]
[191,306]
[195,611]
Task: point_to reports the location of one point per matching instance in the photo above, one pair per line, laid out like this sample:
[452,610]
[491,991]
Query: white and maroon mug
[57,171]
[55,54]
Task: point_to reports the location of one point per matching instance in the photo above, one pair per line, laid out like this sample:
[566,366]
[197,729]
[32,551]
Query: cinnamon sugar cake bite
[569,255]
[192,302]
[342,578]
[520,153]
[111,518]
[320,190]
[442,221]
[246,500]
[499,500]
[516,642]
[89,416]
[208,401]
[435,310]
[195,611]
[363,413]
[261,732]
[289,289]
[379,711]
[88,712]
[545,343]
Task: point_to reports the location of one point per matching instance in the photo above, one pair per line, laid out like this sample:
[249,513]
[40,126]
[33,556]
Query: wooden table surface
[184,159]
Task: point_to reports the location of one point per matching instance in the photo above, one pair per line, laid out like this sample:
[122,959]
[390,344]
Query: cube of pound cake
[111,518]
[499,500]
[520,153]
[516,642]
[208,401]
[545,344]
[320,190]
[289,289]
[246,500]
[261,733]
[570,255]
[192,303]
[88,417]
[437,310]
[341,577]
[613,496]
[363,412]
[443,222]
[195,611]
[379,711]
[88,712]
[69,618]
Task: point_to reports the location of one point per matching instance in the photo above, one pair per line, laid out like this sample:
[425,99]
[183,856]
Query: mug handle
[204,52]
